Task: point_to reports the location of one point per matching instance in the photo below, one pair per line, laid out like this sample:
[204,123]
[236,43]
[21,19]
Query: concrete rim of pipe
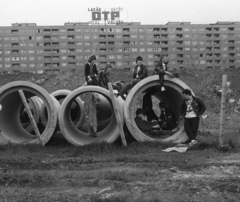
[77,137]
[12,130]
[79,110]
[172,96]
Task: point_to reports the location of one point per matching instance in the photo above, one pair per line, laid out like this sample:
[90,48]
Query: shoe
[122,96]
[163,89]
[116,94]
[193,142]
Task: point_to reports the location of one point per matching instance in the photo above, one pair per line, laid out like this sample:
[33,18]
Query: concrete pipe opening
[77,108]
[12,130]
[172,96]
[99,123]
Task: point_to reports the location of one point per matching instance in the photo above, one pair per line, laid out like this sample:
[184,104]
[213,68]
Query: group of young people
[191,108]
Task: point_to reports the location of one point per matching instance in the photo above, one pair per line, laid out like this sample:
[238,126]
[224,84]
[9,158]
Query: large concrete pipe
[80,136]
[77,109]
[172,96]
[10,124]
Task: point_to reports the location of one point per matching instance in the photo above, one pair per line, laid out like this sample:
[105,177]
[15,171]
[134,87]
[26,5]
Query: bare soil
[139,172]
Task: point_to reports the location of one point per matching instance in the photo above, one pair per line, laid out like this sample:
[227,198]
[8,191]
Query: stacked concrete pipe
[79,137]
[12,130]
[172,97]
[77,109]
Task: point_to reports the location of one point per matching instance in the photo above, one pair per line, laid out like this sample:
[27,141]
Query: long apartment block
[26,46]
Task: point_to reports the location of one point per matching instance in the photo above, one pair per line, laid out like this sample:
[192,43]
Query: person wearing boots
[161,69]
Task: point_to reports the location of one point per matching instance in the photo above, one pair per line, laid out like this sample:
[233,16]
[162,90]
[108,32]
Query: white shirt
[190,112]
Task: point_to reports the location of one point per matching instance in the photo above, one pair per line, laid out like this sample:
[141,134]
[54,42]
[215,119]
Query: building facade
[31,47]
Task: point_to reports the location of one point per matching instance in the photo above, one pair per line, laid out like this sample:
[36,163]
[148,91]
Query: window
[31,58]
[142,49]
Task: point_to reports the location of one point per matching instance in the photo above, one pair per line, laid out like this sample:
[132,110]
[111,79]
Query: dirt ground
[139,172]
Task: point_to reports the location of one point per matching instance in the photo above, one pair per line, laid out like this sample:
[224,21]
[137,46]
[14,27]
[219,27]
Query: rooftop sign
[111,17]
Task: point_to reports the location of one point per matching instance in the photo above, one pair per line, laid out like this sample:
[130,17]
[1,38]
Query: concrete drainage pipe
[11,127]
[172,97]
[98,110]
[77,109]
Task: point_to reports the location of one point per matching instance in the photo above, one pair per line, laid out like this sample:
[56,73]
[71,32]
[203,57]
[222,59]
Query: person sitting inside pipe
[143,125]
[161,69]
[147,105]
[167,119]
[90,71]
[140,72]
[103,78]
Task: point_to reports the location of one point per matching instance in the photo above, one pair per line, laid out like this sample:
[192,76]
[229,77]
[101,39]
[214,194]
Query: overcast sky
[57,12]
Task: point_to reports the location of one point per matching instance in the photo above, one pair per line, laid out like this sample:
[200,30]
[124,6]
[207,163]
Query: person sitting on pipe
[167,119]
[103,78]
[142,124]
[140,72]
[161,69]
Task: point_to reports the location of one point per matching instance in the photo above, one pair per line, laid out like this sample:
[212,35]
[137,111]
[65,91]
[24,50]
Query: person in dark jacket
[143,125]
[161,69]
[147,105]
[139,73]
[167,119]
[90,71]
[191,109]
[103,79]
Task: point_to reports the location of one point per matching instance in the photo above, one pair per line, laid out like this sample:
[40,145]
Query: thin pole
[223,108]
[34,125]
[117,114]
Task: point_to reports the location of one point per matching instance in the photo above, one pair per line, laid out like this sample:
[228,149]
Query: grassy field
[110,172]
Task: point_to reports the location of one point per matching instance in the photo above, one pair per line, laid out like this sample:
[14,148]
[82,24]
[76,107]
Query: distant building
[26,46]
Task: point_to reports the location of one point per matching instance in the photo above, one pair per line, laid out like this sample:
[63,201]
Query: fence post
[223,108]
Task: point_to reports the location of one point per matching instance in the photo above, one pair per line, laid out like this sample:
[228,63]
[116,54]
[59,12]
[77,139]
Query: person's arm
[95,71]
[87,72]
[202,107]
[134,73]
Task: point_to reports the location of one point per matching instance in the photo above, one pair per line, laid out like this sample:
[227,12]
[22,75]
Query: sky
[58,12]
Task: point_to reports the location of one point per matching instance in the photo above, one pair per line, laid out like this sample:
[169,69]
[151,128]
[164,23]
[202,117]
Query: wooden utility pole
[34,125]
[117,114]
[223,108]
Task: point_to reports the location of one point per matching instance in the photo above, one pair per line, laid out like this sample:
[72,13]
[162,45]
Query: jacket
[145,126]
[159,68]
[87,70]
[143,73]
[197,105]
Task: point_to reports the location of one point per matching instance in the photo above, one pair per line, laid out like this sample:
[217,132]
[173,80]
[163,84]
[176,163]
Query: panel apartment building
[30,47]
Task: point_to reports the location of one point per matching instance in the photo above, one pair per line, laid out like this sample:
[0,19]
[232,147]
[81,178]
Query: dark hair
[91,58]
[139,58]
[108,65]
[139,111]
[187,92]
[151,91]
[162,104]
[161,58]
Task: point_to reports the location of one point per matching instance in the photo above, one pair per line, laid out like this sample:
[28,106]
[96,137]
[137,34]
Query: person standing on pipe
[90,71]
[191,109]
[161,69]
[139,73]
